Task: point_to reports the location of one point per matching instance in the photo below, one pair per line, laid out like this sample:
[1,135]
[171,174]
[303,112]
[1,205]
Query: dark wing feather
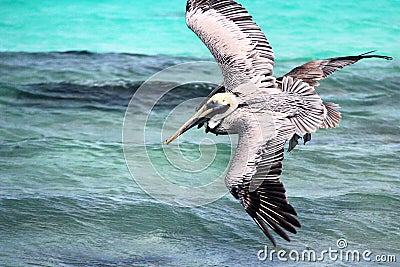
[236,42]
[263,195]
[316,70]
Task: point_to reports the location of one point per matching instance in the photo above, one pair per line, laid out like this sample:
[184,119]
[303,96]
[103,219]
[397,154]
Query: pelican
[264,111]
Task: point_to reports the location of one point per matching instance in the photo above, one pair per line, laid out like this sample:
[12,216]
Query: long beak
[205,113]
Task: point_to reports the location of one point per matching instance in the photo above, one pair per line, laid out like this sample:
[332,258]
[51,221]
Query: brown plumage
[316,70]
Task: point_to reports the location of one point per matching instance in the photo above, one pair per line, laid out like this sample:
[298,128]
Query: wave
[110,95]
[72,79]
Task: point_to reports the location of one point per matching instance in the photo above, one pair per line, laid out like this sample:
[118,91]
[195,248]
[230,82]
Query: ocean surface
[68,72]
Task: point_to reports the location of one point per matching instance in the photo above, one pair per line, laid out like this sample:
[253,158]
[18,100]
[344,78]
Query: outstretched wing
[316,70]
[236,42]
[313,71]
[260,190]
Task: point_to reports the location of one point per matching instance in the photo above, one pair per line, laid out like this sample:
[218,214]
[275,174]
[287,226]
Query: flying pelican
[264,111]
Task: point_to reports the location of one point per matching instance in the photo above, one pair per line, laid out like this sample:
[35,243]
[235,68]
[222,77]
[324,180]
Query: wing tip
[276,226]
[368,55]
[264,229]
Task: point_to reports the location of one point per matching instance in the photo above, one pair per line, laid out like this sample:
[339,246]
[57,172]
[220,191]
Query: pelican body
[266,112]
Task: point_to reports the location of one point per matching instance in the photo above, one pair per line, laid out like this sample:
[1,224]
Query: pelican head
[211,112]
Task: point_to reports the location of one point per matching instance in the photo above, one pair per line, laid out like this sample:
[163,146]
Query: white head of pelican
[212,113]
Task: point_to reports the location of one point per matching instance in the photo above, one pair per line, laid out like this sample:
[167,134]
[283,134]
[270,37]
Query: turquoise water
[295,29]
[66,195]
